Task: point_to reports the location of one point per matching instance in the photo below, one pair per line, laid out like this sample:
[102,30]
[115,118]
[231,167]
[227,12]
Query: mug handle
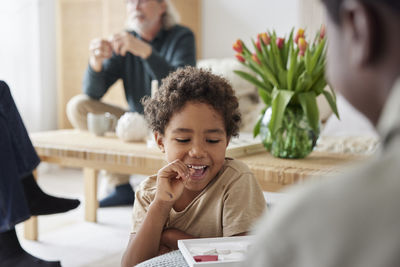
[112,119]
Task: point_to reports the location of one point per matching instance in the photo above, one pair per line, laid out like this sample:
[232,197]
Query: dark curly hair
[190,84]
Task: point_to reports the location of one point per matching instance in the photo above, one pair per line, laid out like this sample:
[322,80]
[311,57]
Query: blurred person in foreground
[352,219]
[153,46]
[20,195]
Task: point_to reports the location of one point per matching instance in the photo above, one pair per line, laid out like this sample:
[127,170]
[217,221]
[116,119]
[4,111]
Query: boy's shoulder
[148,186]
[233,171]
[236,165]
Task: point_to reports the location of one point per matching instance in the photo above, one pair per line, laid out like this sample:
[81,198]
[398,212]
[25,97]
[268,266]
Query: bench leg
[31,225]
[31,229]
[91,203]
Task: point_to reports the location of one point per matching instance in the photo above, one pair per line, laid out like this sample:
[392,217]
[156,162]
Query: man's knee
[77,109]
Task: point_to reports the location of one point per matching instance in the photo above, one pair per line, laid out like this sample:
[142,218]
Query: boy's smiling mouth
[197,171]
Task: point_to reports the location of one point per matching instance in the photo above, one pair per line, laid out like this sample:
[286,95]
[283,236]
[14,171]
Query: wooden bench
[84,150]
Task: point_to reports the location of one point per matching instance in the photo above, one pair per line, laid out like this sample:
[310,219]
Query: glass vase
[294,139]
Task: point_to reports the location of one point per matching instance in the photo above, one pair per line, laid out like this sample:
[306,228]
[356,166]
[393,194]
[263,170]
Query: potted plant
[289,74]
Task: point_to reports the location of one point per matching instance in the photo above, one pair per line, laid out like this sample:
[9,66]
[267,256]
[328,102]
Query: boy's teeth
[196,167]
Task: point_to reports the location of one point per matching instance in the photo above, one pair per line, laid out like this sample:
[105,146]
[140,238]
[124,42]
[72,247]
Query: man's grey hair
[171,16]
[169,19]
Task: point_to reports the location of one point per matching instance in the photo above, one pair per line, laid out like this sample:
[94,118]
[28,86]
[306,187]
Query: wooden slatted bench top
[274,173]
[83,149]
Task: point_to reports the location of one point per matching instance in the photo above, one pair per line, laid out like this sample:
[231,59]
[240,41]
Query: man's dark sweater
[171,49]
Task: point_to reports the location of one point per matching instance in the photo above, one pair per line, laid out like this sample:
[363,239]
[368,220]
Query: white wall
[224,21]
[27,45]
[27,59]
[48,75]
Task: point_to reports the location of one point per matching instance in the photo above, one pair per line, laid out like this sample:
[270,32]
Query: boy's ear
[159,138]
[228,139]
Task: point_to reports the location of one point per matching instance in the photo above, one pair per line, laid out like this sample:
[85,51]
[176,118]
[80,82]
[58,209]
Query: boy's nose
[197,151]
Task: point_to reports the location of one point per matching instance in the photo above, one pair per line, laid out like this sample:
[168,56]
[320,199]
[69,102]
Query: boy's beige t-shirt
[229,205]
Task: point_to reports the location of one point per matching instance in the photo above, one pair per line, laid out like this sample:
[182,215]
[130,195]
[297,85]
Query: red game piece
[201,258]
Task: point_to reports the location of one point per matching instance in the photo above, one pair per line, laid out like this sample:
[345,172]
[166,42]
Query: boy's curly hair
[191,84]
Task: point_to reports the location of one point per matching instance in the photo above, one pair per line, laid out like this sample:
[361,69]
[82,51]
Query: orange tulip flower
[280,42]
[299,34]
[240,57]
[238,46]
[264,37]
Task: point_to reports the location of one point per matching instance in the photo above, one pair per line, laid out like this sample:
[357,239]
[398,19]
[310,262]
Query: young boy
[199,193]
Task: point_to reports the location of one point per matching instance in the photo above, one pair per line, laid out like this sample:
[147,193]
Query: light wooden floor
[67,237]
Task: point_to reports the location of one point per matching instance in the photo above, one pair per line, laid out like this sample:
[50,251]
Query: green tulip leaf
[307,61]
[245,49]
[333,93]
[266,56]
[319,84]
[332,102]
[251,79]
[309,105]
[317,54]
[282,75]
[265,96]
[276,53]
[256,130]
[292,68]
[287,48]
[259,53]
[303,83]
[280,100]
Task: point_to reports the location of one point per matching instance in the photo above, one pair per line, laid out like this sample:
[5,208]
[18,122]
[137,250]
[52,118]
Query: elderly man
[352,220]
[154,46]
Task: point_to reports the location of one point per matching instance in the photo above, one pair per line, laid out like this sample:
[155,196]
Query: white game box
[230,251]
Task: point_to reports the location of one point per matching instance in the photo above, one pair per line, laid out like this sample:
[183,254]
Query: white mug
[99,124]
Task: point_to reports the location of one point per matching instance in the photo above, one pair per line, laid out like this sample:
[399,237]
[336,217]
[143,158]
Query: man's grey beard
[133,25]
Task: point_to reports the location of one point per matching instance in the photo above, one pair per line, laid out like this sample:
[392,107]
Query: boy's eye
[213,141]
[182,140]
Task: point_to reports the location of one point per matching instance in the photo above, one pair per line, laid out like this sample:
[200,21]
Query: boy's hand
[171,181]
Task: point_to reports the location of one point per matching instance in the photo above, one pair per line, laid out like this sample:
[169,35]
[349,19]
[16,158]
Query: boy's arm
[242,234]
[146,242]
[171,236]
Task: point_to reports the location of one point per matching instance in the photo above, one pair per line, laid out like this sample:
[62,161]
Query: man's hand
[125,42]
[99,49]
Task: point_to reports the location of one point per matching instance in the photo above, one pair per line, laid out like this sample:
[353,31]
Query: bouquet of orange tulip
[288,73]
